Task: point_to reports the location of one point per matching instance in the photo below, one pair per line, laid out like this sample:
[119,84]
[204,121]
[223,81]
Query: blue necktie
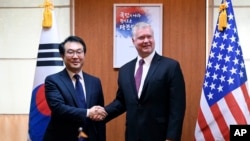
[81,100]
[138,75]
[79,92]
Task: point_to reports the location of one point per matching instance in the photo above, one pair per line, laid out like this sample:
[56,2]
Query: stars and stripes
[225,97]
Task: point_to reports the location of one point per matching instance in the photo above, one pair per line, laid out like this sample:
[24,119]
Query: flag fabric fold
[48,62]
[224,98]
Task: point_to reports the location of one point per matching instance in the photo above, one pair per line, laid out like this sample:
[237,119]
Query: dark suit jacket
[158,114]
[66,116]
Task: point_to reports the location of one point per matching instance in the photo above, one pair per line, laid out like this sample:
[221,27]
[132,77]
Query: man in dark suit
[68,114]
[155,112]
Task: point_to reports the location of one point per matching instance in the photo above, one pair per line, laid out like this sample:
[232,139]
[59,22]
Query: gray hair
[140,25]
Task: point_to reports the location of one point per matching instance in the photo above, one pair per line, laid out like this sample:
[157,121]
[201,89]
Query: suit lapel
[87,82]
[132,78]
[65,78]
[153,66]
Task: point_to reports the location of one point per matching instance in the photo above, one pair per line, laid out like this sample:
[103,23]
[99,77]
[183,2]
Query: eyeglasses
[71,52]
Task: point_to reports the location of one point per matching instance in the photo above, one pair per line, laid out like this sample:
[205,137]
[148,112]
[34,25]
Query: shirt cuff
[87,113]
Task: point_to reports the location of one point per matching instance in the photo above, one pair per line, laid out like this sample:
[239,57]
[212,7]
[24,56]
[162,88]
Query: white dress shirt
[146,66]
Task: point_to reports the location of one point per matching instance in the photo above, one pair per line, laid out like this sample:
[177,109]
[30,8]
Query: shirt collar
[71,74]
[147,59]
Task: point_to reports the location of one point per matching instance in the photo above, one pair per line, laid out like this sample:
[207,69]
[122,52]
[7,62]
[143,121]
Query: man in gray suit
[68,111]
[156,105]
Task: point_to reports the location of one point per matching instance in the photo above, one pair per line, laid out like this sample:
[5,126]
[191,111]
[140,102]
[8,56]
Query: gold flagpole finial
[222,16]
[82,134]
[47,13]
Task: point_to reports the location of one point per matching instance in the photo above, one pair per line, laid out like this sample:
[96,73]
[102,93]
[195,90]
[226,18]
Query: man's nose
[146,39]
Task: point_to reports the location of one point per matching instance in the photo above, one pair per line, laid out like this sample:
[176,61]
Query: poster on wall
[125,17]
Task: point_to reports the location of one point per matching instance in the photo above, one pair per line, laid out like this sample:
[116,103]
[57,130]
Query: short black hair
[72,39]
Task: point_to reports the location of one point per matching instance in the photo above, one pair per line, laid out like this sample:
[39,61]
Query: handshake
[97,113]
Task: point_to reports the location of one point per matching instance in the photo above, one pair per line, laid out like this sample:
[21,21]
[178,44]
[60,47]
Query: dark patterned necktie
[138,74]
[80,92]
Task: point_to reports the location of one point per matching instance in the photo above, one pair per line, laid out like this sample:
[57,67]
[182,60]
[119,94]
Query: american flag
[225,98]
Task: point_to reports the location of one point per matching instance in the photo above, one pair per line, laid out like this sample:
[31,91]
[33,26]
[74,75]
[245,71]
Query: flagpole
[48,62]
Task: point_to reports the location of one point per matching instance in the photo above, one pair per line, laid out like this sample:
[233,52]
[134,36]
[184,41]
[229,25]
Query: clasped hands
[97,113]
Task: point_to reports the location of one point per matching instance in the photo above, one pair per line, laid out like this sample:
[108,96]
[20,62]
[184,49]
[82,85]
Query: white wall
[20,30]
